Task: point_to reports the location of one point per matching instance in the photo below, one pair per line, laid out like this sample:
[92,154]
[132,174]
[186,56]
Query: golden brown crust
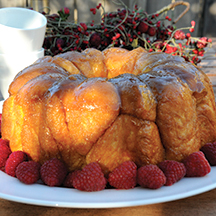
[33,71]
[128,138]
[77,113]
[176,115]
[119,61]
[136,97]
[202,91]
[90,62]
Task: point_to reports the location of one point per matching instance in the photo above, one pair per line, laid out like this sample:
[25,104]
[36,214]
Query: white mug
[21,30]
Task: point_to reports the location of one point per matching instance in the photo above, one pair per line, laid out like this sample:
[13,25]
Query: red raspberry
[150,176]
[53,172]
[5,142]
[196,165]
[4,152]
[68,182]
[91,178]
[173,170]
[124,176]
[209,151]
[0,121]
[13,161]
[28,172]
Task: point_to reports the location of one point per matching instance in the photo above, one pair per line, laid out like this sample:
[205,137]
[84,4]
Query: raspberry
[209,151]
[5,142]
[196,165]
[0,122]
[90,178]
[4,152]
[53,172]
[28,172]
[124,176]
[68,182]
[150,176]
[173,170]
[13,161]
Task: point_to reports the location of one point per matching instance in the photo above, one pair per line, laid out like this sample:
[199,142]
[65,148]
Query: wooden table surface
[199,205]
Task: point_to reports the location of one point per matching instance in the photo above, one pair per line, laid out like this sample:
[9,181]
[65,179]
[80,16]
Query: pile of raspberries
[91,178]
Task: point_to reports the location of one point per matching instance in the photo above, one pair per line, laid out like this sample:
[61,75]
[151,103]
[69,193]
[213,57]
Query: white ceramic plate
[38,194]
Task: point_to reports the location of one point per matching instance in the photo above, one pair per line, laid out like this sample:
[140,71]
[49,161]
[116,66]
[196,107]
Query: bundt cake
[109,106]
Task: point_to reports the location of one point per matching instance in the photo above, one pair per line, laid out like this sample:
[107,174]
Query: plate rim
[155,199]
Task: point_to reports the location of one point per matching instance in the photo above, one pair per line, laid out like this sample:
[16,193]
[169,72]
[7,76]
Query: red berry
[202,42]
[60,42]
[13,161]
[4,142]
[95,40]
[68,182]
[193,23]
[98,6]
[150,176]
[191,29]
[53,172]
[179,35]
[0,121]
[93,10]
[195,51]
[196,165]
[84,26]
[65,10]
[124,176]
[28,172]
[142,27]
[170,28]
[188,35]
[91,178]
[173,170]
[150,50]
[151,31]
[209,151]
[4,152]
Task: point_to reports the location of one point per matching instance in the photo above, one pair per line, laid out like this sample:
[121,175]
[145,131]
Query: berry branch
[125,28]
[172,6]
